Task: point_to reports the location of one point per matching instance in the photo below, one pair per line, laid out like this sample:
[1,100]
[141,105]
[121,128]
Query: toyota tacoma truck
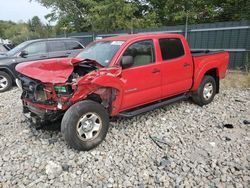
[118,76]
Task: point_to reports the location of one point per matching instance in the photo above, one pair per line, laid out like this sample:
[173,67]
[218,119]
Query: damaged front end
[43,102]
[51,87]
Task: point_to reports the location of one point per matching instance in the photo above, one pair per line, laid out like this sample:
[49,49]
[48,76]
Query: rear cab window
[171,48]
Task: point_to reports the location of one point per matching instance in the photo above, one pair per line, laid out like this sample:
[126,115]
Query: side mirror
[24,54]
[127,61]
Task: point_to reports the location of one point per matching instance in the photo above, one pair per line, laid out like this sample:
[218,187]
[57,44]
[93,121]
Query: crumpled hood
[49,71]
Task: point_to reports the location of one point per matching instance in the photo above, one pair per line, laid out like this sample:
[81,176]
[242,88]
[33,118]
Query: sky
[22,10]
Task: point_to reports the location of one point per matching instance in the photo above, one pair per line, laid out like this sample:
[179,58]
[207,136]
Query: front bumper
[40,115]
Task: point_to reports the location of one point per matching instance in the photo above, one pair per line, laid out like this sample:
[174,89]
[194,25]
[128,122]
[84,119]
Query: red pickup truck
[117,76]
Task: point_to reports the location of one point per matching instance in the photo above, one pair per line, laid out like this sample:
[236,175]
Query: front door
[34,52]
[143,78]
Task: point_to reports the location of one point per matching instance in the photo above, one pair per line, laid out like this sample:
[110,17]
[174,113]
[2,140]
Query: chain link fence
[233,37]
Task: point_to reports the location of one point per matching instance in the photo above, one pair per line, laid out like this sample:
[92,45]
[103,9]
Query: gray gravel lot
[192,148]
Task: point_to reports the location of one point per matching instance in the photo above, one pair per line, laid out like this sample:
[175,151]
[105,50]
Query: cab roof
[139,36]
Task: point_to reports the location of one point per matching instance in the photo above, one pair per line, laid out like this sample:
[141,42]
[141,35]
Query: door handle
[155,71]
[186,64]
[68,53]
[43,56]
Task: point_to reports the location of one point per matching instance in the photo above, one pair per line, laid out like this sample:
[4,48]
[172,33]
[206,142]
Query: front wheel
[206,91]
[5,81]
[85,125]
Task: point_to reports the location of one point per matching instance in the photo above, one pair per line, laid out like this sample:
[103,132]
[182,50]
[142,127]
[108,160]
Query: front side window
[142,53]
[102,51]
[56,46]
[171,48]
[36,48]
[17,48]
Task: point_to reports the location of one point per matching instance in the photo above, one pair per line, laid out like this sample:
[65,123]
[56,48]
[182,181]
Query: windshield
[102,52]
[17,48]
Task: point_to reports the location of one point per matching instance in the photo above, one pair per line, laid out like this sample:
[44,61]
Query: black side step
[137,111]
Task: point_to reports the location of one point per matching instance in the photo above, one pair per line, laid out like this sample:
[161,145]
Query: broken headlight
[63,90]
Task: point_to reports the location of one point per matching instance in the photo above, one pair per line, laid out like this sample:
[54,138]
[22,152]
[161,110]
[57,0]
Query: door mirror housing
[127,61]
[24,54]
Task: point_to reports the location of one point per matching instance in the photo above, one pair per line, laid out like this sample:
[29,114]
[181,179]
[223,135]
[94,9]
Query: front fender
[8,70]
[104,78]
[116,83]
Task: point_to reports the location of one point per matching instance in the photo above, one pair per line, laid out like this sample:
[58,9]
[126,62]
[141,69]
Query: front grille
[32,89]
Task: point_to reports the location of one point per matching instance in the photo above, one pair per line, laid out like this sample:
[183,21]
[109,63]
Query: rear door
[73,48]
[177,66]
[57,49]
[143,79]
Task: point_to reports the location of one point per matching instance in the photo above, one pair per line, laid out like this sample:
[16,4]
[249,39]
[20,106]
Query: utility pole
[186,26]
[132,27]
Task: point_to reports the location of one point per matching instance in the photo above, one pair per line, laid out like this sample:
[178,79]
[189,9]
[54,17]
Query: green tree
[19,32]
[96,15]
[107,15]
[38,28]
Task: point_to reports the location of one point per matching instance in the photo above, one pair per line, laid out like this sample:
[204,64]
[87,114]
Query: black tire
[70,123]
[198,96]
[8,81]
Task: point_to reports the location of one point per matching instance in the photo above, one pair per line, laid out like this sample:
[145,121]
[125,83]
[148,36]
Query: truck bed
[196,53]
[205,60]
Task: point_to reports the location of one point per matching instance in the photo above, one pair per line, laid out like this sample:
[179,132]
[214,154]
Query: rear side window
[171,48]
[71,45]
[56,46]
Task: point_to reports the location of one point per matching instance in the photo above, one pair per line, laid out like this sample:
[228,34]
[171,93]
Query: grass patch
[236,80]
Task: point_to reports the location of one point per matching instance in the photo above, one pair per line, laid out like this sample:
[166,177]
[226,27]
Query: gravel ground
[194,147]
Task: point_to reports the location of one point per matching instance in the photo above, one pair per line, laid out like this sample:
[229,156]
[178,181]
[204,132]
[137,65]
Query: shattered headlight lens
[40,94]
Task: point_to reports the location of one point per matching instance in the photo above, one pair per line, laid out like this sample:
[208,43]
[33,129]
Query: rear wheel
[206,91]
[5,81]
[85,125]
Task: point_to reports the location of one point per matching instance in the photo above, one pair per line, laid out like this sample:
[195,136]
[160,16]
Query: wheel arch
[9,72]
[108,97]
[214,72]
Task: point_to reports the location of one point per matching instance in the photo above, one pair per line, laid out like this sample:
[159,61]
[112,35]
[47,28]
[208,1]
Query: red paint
[53,71]
[47,71]
[134,86]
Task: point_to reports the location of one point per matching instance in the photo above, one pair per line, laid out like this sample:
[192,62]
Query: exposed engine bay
[39,92]
[81,70]
[48,94]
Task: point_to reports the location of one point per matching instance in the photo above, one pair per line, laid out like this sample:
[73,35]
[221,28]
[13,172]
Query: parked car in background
[2,49]
[34,50]
[118,76]
[9,46]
